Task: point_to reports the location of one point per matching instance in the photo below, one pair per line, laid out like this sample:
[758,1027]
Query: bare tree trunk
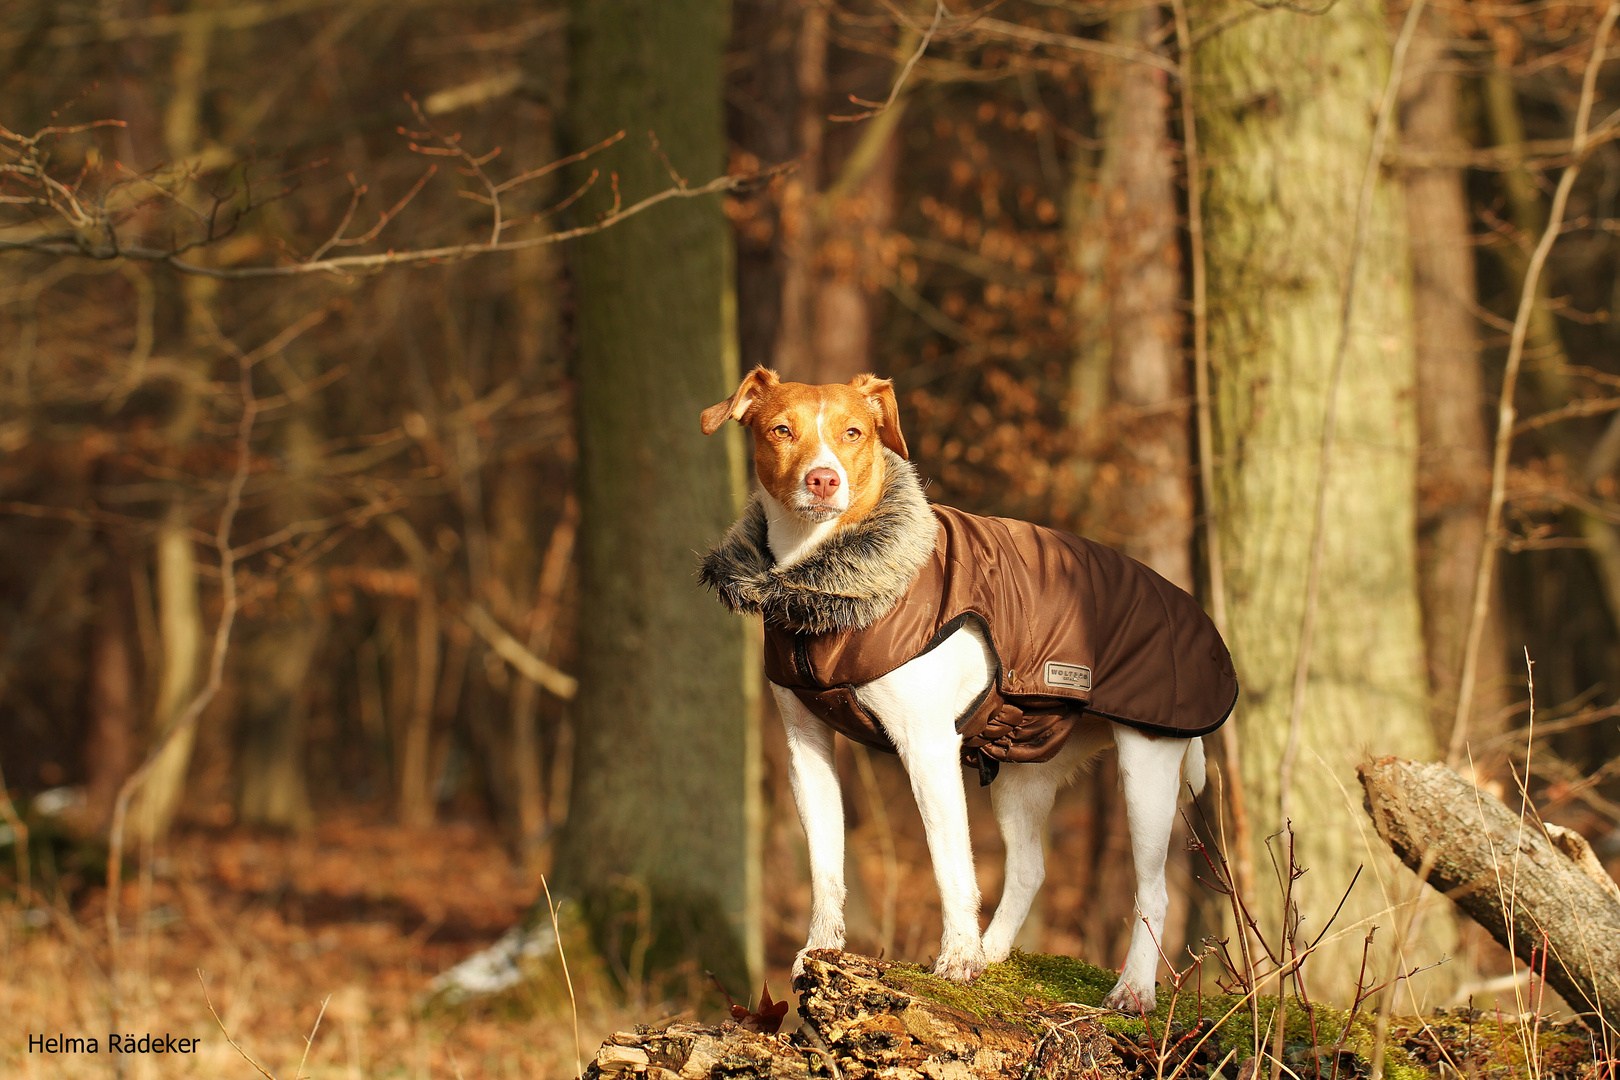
[1287,114]
[180,617]
[1550,374]
[414,729]
[1128,403]
[774,37]
[270,763]
[665,731]
[181,631]
[277,662]
[554,567]
[795,355]
[1453,447]
[832,236]
[1130,373]
[110,748]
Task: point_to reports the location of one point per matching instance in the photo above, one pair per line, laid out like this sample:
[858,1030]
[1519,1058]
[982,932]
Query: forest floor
[358,916]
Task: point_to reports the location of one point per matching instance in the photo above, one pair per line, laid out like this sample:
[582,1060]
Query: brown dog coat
[1076,627]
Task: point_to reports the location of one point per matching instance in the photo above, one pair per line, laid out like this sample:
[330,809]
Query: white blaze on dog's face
[816,448]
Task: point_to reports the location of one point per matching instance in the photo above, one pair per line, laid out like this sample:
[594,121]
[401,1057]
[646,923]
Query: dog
[955,639]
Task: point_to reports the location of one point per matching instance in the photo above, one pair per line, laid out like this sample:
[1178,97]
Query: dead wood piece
[856,1027]
[1541,896]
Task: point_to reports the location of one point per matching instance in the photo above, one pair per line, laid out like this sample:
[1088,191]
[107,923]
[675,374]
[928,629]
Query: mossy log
[1039,1016]
[1538,889]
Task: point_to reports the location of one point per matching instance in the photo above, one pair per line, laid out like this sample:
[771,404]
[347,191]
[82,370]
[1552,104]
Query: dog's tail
[1192,767]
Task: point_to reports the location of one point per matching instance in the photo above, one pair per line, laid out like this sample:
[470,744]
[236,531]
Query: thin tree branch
[342,264]
[514,652]
[1016,32]
[1504,410]
[905,72]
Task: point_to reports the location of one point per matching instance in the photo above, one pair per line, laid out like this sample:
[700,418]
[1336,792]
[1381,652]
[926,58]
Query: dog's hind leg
[1022,798]
[1150,773]
[814,776]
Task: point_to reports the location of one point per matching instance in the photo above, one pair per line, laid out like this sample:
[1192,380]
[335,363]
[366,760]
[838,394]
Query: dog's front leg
[814,776]
[917,704]
[935,768]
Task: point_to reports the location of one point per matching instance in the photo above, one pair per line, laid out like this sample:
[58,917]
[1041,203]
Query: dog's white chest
[944,681]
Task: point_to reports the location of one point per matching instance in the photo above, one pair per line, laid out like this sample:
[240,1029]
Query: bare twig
[1016,32]
[90,229]
[266,1073]
[512,650]
[449,253]
[309,1042]
[573,1005]
[1505,410]
[905,73]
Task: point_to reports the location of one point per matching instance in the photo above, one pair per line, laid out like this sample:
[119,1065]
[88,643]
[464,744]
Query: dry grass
[362,915]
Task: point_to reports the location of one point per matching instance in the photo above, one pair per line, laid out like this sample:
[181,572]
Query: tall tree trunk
[413,726]
[1287,117]
[1453,447]
[275,713]
[771,37]
[831,236]
[277,663]
[664,787]
[180,631]
[179,611]
[1129,363]
[795,352]
[542,619]
[109,750]
[1128,381]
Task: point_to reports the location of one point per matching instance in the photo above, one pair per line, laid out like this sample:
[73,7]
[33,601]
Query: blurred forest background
[351,487]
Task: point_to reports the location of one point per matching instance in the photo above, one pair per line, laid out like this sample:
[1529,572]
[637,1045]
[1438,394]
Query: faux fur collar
[849,582]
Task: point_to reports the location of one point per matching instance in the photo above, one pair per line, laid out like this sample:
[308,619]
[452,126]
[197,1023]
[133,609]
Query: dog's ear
[880,392]
[753,384]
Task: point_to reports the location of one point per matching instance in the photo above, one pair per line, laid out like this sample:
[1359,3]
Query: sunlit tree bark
[1288,105]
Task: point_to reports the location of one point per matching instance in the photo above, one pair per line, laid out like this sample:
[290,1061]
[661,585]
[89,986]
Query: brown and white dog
[819,454]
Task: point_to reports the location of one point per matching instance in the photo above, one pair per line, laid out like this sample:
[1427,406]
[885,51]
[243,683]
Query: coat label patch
[1068,676]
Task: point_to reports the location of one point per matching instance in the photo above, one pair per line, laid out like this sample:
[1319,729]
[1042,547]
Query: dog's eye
[852,434]
[782,431]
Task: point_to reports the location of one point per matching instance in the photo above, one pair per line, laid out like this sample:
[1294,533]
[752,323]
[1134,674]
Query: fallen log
[1538,890]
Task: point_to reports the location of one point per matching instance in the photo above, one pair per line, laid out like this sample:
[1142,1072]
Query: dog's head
[816,448]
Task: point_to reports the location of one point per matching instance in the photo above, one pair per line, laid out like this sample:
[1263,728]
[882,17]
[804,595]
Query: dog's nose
[821,482]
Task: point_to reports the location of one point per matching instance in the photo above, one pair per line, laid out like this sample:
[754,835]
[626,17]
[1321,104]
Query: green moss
[1010,990]
[984,998]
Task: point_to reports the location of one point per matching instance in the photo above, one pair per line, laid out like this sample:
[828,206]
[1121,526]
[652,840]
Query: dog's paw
[996,946]
[1128,999]
[960,965]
